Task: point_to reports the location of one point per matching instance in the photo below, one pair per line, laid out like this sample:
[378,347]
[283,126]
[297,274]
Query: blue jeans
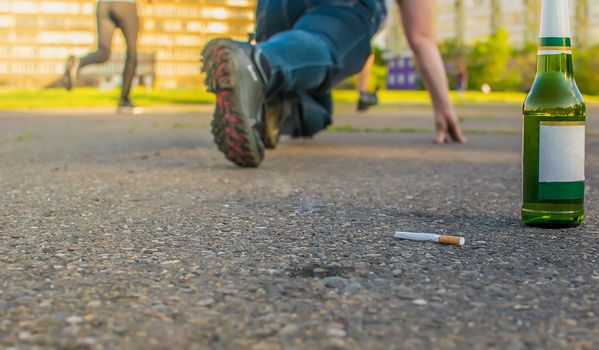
[310,46]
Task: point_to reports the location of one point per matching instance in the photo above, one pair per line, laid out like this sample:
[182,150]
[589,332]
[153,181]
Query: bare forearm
[432,72]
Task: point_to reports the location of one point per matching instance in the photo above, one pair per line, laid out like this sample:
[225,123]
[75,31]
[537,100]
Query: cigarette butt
[443,239]
[455,240]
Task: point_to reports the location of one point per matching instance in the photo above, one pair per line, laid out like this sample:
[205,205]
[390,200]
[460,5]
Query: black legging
[112,15]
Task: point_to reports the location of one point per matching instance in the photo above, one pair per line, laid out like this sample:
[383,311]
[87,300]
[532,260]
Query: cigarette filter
[444,239]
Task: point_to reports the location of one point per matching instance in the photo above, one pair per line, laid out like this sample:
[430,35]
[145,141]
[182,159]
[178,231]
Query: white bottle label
[561,151]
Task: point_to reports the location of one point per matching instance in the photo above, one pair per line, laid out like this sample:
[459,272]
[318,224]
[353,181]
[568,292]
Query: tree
[585,70]
[488,59]
[520,71]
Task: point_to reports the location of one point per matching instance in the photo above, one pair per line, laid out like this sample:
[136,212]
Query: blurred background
[488,43]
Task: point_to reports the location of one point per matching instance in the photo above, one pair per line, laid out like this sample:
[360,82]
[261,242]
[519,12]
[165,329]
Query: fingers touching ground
[448,129]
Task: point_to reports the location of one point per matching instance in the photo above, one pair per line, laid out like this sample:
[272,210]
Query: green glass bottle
[554,129]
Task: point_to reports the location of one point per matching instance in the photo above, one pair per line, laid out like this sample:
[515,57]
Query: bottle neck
[555,56]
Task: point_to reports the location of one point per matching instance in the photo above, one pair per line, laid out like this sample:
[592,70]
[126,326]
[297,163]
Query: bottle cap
[555,19]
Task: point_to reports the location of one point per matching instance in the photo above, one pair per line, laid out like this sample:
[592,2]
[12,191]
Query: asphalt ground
[135,232]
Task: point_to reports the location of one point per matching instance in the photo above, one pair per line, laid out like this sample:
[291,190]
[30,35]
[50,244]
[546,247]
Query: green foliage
[585,70]
[488,59]
[520,71]
[378,56]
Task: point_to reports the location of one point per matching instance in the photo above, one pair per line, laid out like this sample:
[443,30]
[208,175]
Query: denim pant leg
[329,41]
[275,16]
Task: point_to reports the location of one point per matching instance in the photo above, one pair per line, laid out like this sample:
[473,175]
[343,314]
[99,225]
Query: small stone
[121,330]
[319,272]
[351,288]
[521,307]
[437,305]
[88,341]
[24,336]
[478,304]
[469,274]
[170,262]
[24,299]
[571,322]
[420,302]
[397,273]
[336,331]
[290,329]
[334,282]
[379,281]
[205,302]
[94,303]
[74,319]
[406,293]
[333,266]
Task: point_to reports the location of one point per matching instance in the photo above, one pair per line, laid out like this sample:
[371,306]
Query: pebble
[521,307]
[74,319]
[290,329]
[24,336]
[333,266]
[121,329]
[397,273]
[352,288]
[319,272]
[379,281]
[335,282]
[406,293]
[420,302]
[469,274]
[94,303]
[571,322]
[24,299]
[170,262]
[205,302]
[437,305]
[88,341]
[336,331]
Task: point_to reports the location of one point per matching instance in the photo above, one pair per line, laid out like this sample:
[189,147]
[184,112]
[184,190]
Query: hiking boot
[70,73]
[367,100]
[238,122]
[126,107]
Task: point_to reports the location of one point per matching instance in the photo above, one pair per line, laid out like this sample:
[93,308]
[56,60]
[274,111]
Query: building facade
[471,20]
[36,36]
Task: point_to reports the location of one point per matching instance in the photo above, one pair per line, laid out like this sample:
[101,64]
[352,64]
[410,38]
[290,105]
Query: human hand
[448,128]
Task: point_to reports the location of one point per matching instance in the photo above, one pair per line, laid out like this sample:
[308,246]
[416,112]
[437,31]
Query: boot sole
[233,133]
